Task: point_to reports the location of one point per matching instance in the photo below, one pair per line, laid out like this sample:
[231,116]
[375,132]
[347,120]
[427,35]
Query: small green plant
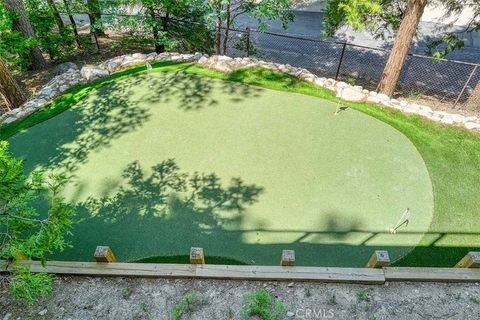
[332,300]
[354,308]
[126,292]
[145,308]
[414,95]
[189,303]
[230,313]
[308,292]
[363,295]
[28,286]
[475,300]
[261,303]
[351,81]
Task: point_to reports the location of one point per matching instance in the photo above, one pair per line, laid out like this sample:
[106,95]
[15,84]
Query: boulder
[447,120]
[64,67]
[9,120]
[320,82]
[472,125]
[383,97]
[222,65]
[373,99]
[203,60]
[351,94]
[91,73]
[48,91]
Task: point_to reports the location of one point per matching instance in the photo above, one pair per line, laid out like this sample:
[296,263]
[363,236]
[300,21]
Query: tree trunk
[56,15]
[218,36]
[403,41]
[95,15]
[73,23]
[23,25]
[9,88]
[158,47]
[227,30]
[165,22]
[93,34]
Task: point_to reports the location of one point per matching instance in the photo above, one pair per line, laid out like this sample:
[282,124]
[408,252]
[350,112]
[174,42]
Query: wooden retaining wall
[376,272]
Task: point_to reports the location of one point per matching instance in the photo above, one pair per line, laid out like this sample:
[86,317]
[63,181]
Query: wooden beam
[379,259]
[114,269]
[197,255]
[318,274]
[471,260]
[432,274]
[288,258]
[104,254]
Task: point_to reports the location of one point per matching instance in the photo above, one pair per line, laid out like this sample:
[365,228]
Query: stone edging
[72,76]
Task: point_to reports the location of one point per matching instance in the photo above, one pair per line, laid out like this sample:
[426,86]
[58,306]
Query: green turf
[321,212]
[306,179]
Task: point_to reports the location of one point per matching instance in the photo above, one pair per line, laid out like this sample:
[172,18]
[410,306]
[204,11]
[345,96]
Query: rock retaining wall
[71,76]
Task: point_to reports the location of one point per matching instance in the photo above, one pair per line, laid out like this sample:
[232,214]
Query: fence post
[379,259]
[465,86]
[288,258]
[248,41]
[197,255]
[471,260]
[341,60]
[104,254]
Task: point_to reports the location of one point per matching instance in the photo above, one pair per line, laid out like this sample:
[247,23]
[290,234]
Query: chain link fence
[443,83]
[439,83]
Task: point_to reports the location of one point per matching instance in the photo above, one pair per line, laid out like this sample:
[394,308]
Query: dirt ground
[143,298]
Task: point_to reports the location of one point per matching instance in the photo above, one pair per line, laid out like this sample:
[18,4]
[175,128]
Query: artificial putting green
[164,161]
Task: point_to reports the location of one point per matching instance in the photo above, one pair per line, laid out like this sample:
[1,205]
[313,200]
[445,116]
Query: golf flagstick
[404,219]
[339,95]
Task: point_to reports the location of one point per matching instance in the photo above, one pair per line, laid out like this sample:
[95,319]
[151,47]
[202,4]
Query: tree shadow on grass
[192,91]
[162,212]
[116,109]
[158,214]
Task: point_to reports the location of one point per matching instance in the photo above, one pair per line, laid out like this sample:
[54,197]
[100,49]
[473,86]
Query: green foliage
[58,43]
[244,44]
[126,293]
[24,232]
[262,304]
[442,47]
[356,13]
[265,10]
[189,303]
[308,292]
[226,12]
[181,24]
[27,286]
[364,295]
[379,16]
[13,46]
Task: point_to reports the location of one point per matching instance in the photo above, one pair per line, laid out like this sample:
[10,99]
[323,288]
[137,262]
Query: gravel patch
[143,298]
